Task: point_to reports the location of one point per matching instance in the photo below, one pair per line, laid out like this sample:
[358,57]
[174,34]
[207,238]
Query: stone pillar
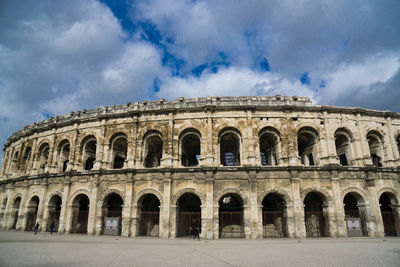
[100,158]
[64,221]
[290,220]
[375,224]
[166,160]
[254,222]
[126,212]
[165,209]
[249,157]
[392,150]
[216,220]
[207,214]
[101,210]
[22,210]
[73,163]
[131,151]
[172,226]
[207,153]
[330,216]
[338,206]
[247,221]
[41,209]
[365,153]
[93,208]
[298,206]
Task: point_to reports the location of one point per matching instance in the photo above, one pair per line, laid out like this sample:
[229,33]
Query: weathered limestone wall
[45,174]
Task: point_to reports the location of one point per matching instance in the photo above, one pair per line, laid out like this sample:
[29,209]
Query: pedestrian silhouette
[36,228]
[51,228]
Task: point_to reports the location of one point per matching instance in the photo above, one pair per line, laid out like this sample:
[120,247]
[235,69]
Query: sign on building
[354,226]
[112,225]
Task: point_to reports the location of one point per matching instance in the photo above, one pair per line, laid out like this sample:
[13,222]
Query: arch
[230,215]
[146,191]
[153,148]
[397,140]
[54,193]
[356,190]
[111,211]
[276,190]
[232,190]
[26,157]
[107,192]
[119,150]
[376,147]
[43,155]
[269,143]
[227,125]
[389,190]
[148,215]
[266,125]
[230,146]
[188,214]
[190,147]
[186,190]
[327,197]
[80,213]
[354,207]
[63,154]
[15,161]
[190,126]
[88,151]
[54,210]
[274,215]
[76,193]
[315,214]
[343,139]
[388,203]
[32,212]
[307,140]
[16,206]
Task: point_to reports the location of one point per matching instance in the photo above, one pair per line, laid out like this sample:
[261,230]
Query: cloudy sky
[60,56]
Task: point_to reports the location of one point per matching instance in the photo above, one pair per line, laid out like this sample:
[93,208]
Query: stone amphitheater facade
[248,167]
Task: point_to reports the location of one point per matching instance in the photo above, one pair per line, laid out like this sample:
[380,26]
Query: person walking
[36,228]
[196,233]
[51,228]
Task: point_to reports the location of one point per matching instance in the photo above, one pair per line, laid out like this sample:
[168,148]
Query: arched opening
[154,145]
[54,212]
[273,215]
[63,155]
[89,152]
[190,149]
[44,156]
[119,150]
[355,214]
[343,150]
[398,143]
[390,218]
[375,145]
[149,215]
[269,141]
[15,211]
[307,139]
[229,144]
[26,158]
[231,216]
[15,165]
[314,215]
[80,214]
[31,213]
[188,215]
[112,214]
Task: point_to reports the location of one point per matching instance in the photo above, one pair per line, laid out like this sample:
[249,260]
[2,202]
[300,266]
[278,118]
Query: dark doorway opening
[149,216]
[273,213]
[80,211]
[188,215]
[231,216]
[314,215]
[31,214]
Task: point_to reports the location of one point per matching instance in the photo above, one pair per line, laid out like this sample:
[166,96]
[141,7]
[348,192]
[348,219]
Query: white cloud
[233,81]
[365,77]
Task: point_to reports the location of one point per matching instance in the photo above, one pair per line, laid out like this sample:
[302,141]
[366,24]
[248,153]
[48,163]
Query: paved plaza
[26,249]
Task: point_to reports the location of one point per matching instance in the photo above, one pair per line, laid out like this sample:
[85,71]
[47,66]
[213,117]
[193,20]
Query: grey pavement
[26,249]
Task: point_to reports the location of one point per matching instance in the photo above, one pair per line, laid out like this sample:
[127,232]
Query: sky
[62,56]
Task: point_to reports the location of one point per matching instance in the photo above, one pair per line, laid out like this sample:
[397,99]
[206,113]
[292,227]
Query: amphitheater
[245,167]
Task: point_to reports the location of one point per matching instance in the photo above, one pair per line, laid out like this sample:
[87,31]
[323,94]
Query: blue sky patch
[305,79]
